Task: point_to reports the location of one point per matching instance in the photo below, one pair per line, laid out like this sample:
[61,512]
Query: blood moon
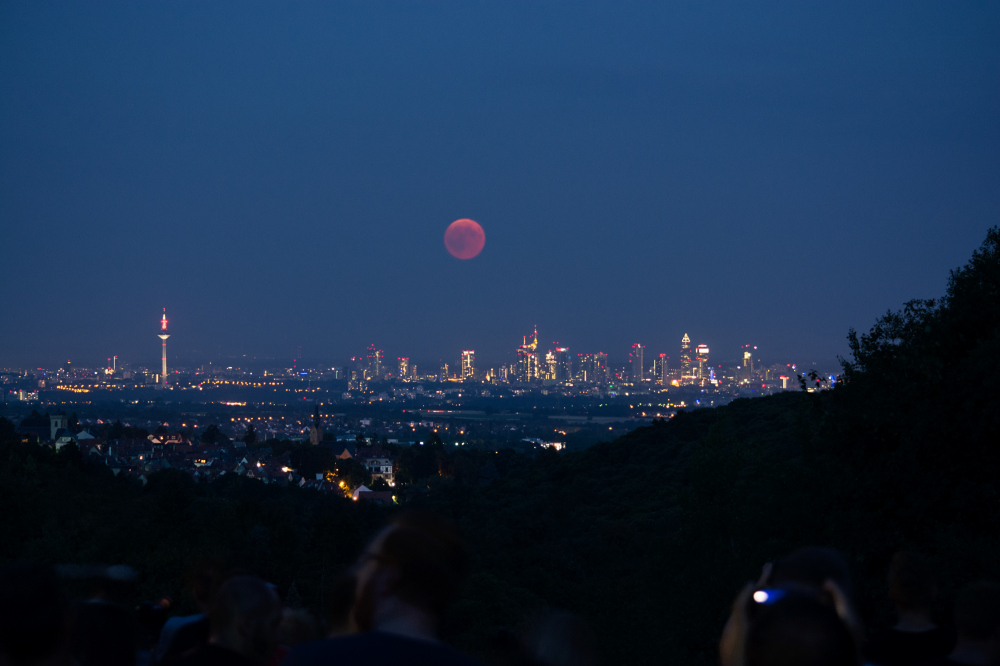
[464,238]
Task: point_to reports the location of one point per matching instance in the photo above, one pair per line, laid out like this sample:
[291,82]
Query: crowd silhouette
[389,607]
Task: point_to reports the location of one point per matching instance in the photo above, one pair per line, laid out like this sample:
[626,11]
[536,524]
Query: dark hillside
[57,508]
[622,532]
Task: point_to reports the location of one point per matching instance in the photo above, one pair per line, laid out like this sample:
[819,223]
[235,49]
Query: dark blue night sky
[281,175]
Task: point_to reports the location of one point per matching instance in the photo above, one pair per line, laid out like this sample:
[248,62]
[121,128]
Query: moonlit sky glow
[281,175]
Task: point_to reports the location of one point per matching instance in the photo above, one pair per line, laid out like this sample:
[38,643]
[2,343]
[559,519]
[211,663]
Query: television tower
[163,336]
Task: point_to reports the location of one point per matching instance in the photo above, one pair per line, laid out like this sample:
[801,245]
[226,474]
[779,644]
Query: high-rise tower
[702,355]
[163,336]
[636,357]
[564,364]
[527,359]
[687,361]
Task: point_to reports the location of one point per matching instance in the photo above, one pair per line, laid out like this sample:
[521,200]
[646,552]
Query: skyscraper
[163,336]
[664,370]
[404,367]
[548,370]
[600,367]
[375,362]
[636,359]
[564,364]
[702,356]
[747,369]
[468,364]
[687,361]
[527,359]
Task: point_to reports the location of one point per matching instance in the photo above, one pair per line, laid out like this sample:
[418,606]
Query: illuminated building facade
[592,367]
[702,356]
[404,367]
[163,336]
[527,359]
[687,361]
[600,367]
[636,359]
[747,371]
[663,370]
[564,365]
[376,362]
[468,364]
[549,367]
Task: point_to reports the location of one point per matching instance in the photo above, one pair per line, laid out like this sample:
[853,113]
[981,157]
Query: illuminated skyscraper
[468,364]
[527,359]
[702,356]
[549,367]
[564,365]
[686,360]
[600,367]
[375,362]
[163,336]
[636,359]
[404,367]
[747,369]
[664,370]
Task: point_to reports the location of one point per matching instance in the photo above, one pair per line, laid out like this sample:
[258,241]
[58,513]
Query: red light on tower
[163,336]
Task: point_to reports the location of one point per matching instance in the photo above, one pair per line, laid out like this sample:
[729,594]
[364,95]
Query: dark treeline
[647,537]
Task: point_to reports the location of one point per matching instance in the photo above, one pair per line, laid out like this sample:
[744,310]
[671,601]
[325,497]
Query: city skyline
[530,361]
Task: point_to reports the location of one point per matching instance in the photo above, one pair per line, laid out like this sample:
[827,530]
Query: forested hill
[647,537]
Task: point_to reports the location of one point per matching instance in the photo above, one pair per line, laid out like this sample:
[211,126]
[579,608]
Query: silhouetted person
[105,634]
[812,566]
[915,637]
[243,622]
[201,582]
[34,617]
[298,626]
[824,570]
[406,579]
[977,619]
[814,582]
[194,631]
[559,638]
[340,604]
[791,625]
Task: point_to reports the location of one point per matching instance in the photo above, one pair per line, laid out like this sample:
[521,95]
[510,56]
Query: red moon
[464,238]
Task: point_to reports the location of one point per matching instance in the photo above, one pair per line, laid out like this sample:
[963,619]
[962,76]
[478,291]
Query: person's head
[977,611]
[34,616]
[812,566]
[418,559]
[797,627]
[205,577]
[559,638]
[244,617]
[340,601]
[298,626]
[911,582]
